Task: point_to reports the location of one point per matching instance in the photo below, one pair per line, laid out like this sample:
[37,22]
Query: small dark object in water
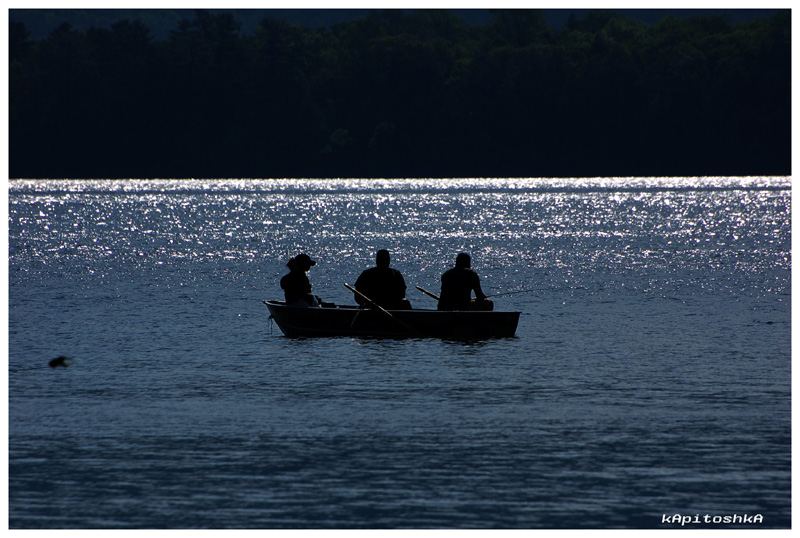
[59,361]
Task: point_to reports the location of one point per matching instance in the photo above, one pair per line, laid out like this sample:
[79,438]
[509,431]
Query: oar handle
[426,292]
[414,330]
[370,301]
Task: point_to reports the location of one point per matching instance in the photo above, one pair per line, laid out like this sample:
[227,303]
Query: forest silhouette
[404,94]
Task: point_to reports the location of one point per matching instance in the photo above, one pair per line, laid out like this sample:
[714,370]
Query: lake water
[649,378]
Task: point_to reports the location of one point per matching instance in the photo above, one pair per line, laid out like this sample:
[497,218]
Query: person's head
[301,262]
[463,260]
[382,258]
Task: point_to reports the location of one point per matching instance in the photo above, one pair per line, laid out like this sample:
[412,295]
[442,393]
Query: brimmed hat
[304,259]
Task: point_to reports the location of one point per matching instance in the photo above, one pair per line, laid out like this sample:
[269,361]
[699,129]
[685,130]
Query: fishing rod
[537,289]
[434,296]
[509,293]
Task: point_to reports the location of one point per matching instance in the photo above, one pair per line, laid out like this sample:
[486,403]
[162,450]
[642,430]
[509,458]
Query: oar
[429,294]
[379,307]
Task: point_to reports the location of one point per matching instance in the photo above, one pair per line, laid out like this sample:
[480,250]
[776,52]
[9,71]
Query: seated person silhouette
[383,285]
[296,286]
[458,284]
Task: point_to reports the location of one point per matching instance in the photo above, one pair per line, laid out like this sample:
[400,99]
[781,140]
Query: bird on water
[59,361]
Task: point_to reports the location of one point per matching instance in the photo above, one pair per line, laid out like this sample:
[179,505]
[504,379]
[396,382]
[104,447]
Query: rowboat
[375,322]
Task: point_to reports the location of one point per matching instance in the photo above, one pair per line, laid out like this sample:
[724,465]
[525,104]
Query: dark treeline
[404,94]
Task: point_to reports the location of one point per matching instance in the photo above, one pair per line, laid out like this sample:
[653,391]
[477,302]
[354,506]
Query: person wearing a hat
[458,284]
[296,286]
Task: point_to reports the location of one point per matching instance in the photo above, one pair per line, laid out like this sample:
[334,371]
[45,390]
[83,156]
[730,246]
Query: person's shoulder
[368,274]
[398,276]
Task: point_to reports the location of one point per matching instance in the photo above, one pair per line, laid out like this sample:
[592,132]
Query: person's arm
[360,287]
[477,287]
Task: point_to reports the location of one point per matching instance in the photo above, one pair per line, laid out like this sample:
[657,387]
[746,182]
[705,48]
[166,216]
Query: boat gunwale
[446,324]
[282,304]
